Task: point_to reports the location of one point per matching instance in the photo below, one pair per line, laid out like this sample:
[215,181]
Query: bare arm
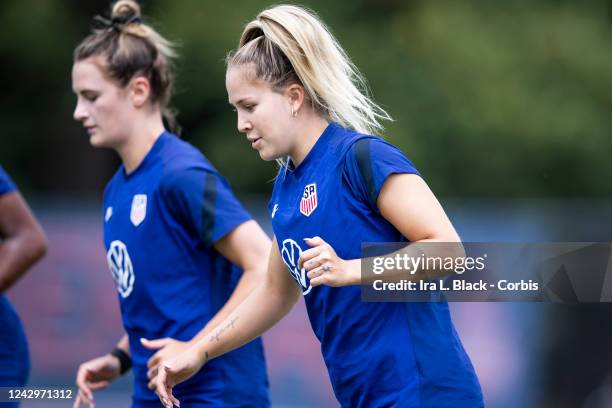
[406,201]
[269,303]
[263,308]
[247,246]
[22,241]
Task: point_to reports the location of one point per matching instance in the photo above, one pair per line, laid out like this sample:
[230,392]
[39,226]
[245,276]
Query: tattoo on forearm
[230,325]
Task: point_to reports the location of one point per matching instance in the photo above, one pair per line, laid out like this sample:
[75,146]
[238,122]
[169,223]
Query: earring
[294,113]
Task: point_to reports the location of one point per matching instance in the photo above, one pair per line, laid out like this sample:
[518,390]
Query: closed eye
[243,105]
[90,96]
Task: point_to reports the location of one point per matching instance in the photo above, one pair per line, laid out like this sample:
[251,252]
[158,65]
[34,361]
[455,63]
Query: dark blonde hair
[130,48]
[290,44]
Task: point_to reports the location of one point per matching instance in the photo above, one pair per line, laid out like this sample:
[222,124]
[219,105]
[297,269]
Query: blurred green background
[496,102]
[490,99]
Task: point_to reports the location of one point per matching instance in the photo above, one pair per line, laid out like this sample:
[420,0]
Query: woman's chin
[267,156]
[97,140]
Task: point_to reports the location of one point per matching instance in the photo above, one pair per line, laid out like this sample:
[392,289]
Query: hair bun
[125,10]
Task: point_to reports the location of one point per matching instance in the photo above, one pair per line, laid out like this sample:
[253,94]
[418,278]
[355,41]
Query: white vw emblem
[291,254]
[121,268]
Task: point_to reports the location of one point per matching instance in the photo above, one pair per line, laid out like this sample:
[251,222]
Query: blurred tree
[489,99]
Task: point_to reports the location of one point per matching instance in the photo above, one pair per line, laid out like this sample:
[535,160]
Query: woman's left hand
[324,267]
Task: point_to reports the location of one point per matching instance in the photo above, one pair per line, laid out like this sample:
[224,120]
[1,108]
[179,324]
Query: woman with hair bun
[301,101]
[174,233]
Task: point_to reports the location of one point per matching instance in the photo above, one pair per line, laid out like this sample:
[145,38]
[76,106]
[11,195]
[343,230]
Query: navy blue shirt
[160,224]
[377,354]
[6,184]
[14,356]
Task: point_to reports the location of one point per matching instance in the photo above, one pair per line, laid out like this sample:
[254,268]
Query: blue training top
[14,356]
[6,184]
[160,224]
[378,354]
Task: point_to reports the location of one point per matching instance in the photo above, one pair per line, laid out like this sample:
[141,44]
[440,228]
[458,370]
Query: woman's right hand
[94,375]
[174,372]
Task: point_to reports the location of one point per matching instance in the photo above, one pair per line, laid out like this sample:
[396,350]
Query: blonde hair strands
[289,44]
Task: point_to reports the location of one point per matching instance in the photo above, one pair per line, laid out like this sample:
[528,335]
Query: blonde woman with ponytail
[175,235]
[300,101]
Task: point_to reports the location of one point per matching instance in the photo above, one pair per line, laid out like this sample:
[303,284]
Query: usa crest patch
[139,209]
[309,199]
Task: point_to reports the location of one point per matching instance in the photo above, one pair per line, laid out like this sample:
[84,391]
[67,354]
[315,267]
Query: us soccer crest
[139,209]
[309,199]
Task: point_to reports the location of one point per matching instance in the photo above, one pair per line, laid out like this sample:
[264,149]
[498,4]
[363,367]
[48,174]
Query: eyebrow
[239,101]
[84,91]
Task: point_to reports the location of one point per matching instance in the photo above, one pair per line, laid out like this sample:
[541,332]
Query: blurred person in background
[175,234]
[300,100]
[22,243]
